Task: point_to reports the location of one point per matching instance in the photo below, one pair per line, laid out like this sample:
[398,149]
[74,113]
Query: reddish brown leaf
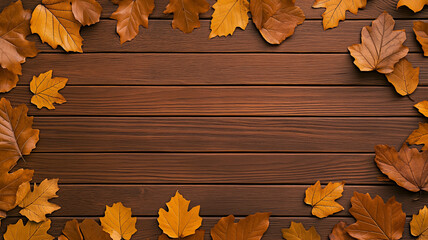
[186,13]
[339,233]
[250,228]
[87,12]
[86,230]
[8,80]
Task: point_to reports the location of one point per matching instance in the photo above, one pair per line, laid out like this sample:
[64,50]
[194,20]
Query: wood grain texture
[148,228]
[373,9]
[231,101]
[208,69]
[160,37]
[220,134]
[173,168]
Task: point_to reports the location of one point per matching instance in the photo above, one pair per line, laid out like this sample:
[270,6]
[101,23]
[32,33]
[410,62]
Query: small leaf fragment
[421,31]
[335,10]
[339,233]
[45,89]
[405,78]
[323,200]
[87,12]
[199,235]
[297,231]
[186,13]
[118,222]
[251,227]
[29,231]
[414,5]
[419,136]
[86,230]
[228,15]
[419,224]
[422,107]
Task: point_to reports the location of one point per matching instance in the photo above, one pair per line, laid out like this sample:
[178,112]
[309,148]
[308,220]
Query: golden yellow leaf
[35,205]
[419,224]
[298,232]
[419,136]
[381,46]
[178,222]
[87,12]
[228,15]
[421,31]
[54,22]
[323,200]
[405,78]
[29,231]
[422,107]
[251,227]
[45,89]
[186,13]
[414,5]
[335,10]
[118,222]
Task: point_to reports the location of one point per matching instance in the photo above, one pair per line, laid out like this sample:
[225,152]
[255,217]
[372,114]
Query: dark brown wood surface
[236,125]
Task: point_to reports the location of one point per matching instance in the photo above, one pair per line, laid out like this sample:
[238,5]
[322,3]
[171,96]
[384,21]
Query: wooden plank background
[235,124]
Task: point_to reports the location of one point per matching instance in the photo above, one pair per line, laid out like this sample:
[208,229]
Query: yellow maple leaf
[45,89]
[55,23]
[405,78]
[298,232]
[323,199]
[422,107]
[228,15]
[35,204]
[29,231]
[414,5]
[419,136]
[118,222]
[335,10]
[178,222]
[419,224]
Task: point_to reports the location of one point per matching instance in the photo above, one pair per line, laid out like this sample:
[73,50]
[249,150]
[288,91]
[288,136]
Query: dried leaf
[87,12]
[323,200]
[276,19]
[419,224]
[130,15]
[186,13]
[54,22]
[14,28]
[29,231]
[199,235]
[87,230]
[45,89]
[117,221]
[335,10]
[298,232]
[8,80]
[17,137]
[178,222]
[405,78]
[228,15]
[250,228]
[419,136]
[339,233]
[414,5]
[35,205]
[381,46]
[421,31]
[376,219]
[71,231]
[422,107]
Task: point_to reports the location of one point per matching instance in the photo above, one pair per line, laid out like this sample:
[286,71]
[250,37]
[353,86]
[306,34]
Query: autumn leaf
[45,89]
[87,12]
[8,80]
[186,13]
[35,204]
[376,219]
[381,46]
[323,200]
[414,5]
[276,19]
[335,10]
[199,235]
[54,22]
[419,224]
[421,31]
[178,222]
[130,15]
[251,227]
[17,137]
[419,136]
[298,232]
[117,221]
[87,230]
[339,233]
[228,15]
[422,107]
[29,231]
[405,78]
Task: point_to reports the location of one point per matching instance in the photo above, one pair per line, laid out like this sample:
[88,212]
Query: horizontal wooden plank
[173,168]
[231,101]
[148,227]
[215,200]
[309,37]
[373,9]
[220,134]
[208,69]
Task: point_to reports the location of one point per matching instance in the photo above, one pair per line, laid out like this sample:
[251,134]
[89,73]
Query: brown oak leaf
[339,233]
[421,31]
[87,12]
[86,230]
[186,13]
[405,78]
[419,136]
[252,227]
